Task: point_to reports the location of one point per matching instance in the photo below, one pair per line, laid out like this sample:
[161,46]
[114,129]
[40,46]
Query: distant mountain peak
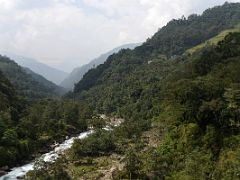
[52,74]
[76,75]
[26,82]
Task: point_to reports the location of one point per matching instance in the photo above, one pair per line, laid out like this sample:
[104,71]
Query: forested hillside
[179,35]
[57,90]
[52,74]
[182,118]
[29,122]
[129,71]
[77,74]
[28,128]
[181,109]
[187,104]
[6,93]
[26,82]
[184,125]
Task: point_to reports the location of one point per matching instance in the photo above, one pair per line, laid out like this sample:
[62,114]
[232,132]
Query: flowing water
[47,157]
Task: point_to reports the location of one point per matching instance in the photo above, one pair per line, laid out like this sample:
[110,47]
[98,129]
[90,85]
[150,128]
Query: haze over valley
[101,90]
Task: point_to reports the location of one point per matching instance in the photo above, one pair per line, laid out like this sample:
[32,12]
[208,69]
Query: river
[47,157]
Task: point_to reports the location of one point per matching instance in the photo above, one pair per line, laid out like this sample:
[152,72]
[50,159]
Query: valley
[168,108]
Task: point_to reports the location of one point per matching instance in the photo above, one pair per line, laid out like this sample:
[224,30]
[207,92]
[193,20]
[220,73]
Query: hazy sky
[69,33]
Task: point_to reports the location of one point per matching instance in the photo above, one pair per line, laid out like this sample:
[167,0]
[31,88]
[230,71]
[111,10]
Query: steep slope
[30,127]
[51,74]
[191,102]
[27,83]
[172,40]
[215,40]
[182,34]
[7,94]
[77,74]
[190,119]
[56,89]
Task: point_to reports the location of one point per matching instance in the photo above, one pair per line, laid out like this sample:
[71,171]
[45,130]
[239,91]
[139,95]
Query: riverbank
[53,151]
[51,156]
[40,151]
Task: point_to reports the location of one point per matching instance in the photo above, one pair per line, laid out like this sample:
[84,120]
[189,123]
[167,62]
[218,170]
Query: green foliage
[182,34]
[198,95]
[194,98]
[213,41]
[133,164]
[9,138]
[7,93]
[228,162]
[44,172]
[97,144]
[204,137]
[42,124]
[97,123]
[209,57]
[173,39]
[27,83]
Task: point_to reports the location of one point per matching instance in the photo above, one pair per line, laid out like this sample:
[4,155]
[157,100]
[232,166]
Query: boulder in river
[2,172]
[5,168]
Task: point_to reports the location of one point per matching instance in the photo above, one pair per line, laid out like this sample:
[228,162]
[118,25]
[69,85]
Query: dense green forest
[77,73]
[26,82]
[6,92]
[193,112]
[32,116]
[23,130]
[181,109]
[31,130]
[169,42]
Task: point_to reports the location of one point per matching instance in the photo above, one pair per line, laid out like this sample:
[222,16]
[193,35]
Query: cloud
[68,33]
[7,5]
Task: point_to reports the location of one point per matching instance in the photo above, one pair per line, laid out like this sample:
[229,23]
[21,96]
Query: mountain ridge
[26,82]
[179,111]
[169,42]
[78,73]
[50,73]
